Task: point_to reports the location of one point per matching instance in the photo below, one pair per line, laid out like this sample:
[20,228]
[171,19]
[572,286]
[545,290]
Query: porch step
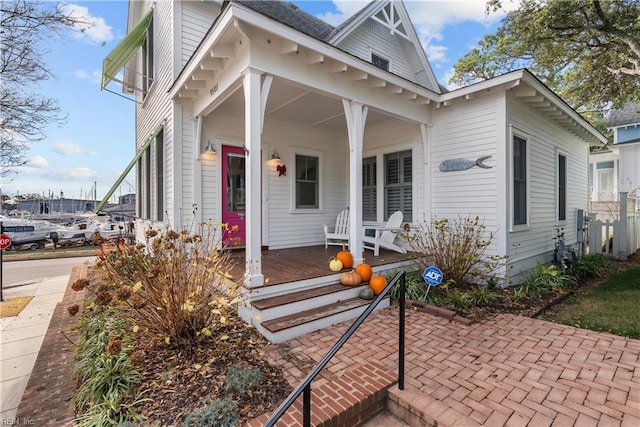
[296,319]
[283,317]
[267,303]
[349,400]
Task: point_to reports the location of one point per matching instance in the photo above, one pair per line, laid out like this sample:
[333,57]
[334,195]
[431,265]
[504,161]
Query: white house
[617,168]
[357,118]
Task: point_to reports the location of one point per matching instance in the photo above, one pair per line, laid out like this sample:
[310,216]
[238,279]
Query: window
[519,181]
[562,187]
[160,175]
[369,190]
[139,187]
[398,193]
[147,60]
[147,183]
[380,62]
[307,182]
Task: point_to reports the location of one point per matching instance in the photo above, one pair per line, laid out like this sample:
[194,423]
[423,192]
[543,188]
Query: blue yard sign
[432,276]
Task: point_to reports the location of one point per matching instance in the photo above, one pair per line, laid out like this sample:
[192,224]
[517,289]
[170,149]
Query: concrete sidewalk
[22,337]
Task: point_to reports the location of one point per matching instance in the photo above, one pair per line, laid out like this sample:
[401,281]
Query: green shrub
[415,287]
[589,266]
[457,247]
[242,378]
[458,300]
[545,278]
[106,378]
[482,296]
[216,413]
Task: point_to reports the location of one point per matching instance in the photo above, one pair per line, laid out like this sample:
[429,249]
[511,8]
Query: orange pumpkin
[345,257]
[365,271]
[350,278]
[377,284]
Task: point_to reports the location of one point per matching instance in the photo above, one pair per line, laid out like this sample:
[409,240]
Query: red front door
[233,194]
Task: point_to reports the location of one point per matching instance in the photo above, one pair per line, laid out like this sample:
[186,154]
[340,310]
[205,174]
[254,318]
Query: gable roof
[292,16]
[628,115]
[393,14]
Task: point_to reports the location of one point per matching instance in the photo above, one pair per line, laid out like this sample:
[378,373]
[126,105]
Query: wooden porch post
[253,168]
[356,116]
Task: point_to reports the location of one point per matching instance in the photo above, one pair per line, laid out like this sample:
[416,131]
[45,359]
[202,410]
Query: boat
[29,233]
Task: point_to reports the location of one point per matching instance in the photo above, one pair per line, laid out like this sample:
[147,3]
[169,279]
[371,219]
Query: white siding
[374,37]
[390,137]
[536,244]
[156,107]
[466,130]
[284,226]
[197,18]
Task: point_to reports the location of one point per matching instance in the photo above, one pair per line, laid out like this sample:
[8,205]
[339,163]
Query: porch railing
[305,386]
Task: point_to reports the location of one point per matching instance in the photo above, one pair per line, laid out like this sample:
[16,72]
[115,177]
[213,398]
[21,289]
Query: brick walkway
[510,370]
[46,400]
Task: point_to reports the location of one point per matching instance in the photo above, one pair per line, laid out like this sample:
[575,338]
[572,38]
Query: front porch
[291,265]
[301,295]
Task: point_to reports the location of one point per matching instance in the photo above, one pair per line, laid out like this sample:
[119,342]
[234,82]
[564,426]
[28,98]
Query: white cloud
[429,17]
[70,175]
[38,162]
[90,28]
[94,76]
[68,148]
[81,74]
[346,8]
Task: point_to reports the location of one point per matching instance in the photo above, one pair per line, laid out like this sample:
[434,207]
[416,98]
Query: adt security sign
[432,276]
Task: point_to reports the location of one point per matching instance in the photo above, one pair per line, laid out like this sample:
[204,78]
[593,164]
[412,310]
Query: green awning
[126,171]
[125,50]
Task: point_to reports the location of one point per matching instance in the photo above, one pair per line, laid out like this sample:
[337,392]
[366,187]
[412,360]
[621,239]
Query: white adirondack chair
[385,236]
[339,234]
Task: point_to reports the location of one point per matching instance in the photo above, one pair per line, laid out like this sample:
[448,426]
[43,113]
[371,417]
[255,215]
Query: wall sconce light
[282,169]
[209,150]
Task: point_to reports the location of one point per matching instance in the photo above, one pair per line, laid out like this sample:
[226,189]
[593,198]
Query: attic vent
[380,62]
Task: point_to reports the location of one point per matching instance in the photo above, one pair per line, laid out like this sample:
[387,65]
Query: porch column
[425,134]
[253,168]
[356,116]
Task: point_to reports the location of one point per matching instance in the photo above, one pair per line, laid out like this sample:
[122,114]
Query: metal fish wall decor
[452,165]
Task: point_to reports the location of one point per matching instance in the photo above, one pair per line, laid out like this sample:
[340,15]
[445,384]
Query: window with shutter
[369,189]
[398,184]
[519,181]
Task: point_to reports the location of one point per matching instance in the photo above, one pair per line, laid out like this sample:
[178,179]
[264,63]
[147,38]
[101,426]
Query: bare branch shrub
[457,247]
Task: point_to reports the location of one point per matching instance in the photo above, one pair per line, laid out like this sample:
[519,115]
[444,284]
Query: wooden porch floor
[294,264]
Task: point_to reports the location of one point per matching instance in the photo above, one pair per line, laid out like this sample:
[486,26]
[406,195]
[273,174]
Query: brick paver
[509,370]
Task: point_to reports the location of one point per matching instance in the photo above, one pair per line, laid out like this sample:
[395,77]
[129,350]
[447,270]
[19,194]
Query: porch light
[275,156]
[209,150]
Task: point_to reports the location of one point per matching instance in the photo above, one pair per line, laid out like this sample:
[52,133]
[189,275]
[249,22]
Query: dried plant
[177,286]
[457,247]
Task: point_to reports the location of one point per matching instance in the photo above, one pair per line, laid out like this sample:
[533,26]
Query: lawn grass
[611,307]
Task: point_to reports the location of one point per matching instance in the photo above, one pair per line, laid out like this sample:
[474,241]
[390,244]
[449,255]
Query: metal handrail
[305,385]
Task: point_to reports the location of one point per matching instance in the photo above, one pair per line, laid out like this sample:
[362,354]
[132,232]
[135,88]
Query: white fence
[618,238]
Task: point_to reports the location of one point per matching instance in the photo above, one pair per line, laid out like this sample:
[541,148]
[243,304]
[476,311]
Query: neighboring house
[356,116]
[616,168]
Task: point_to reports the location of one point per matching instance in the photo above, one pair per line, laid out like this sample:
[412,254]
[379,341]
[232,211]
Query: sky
[96,142]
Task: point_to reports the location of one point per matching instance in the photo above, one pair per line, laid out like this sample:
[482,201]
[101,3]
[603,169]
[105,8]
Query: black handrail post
[401,333]
[306,406]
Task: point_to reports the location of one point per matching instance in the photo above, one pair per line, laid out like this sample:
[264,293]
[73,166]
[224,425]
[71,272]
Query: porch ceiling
[293,104]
